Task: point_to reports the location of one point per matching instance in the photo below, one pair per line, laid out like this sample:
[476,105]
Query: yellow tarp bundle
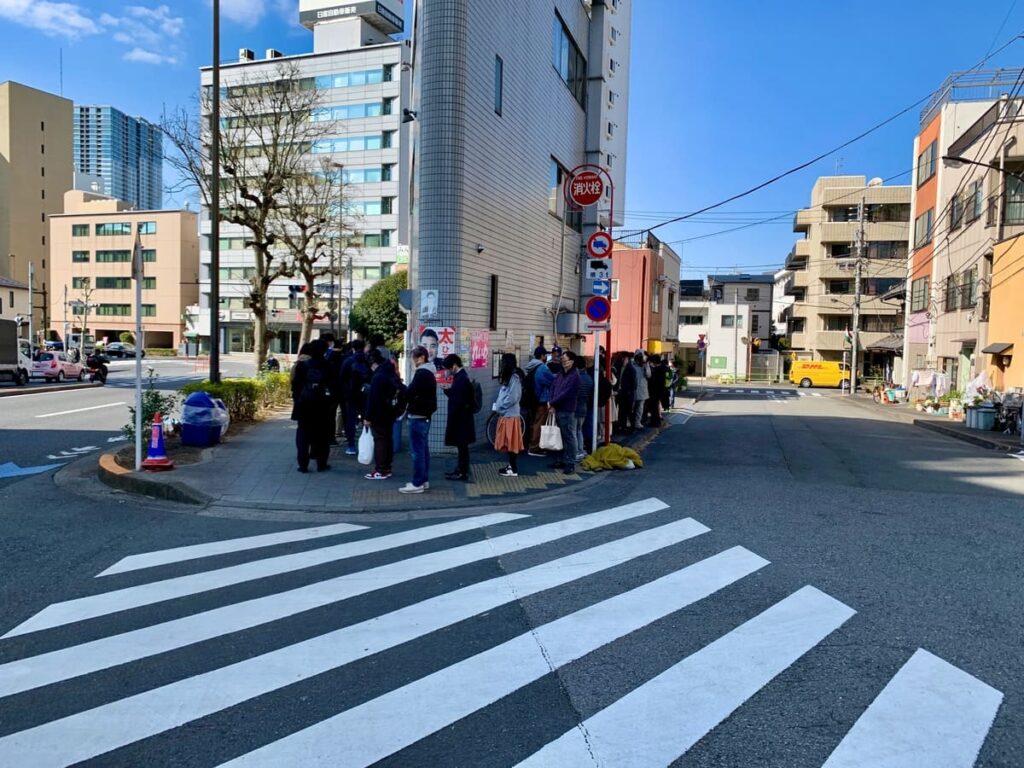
[611,457]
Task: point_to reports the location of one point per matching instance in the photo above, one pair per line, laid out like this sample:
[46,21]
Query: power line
[822,156]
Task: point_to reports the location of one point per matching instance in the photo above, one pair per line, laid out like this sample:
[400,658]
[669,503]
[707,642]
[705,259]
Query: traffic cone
[156,455]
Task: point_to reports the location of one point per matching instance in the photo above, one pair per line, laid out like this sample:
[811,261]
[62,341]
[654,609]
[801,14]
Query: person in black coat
[380,414]
[461,429]
[312,406]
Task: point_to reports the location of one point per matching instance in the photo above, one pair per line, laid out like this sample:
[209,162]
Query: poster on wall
[479,348]
[439,341]
[464,341]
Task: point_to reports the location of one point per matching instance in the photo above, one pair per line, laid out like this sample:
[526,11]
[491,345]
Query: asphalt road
[41,429]
[791,581]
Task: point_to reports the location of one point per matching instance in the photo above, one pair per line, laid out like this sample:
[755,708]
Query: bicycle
[492,427]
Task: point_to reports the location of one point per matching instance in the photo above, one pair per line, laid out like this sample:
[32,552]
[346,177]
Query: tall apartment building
[125,152]
[958,215]
[363,77]
[510,98]
[35,171]
[91,261]
[822,264]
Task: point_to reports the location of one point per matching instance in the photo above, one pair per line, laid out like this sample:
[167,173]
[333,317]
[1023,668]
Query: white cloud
[149,57]
[152,33]
[245,12]
[58,19]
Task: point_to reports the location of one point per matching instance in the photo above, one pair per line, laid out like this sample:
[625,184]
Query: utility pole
[736,336]
[32,309]
[858,269]
[215,205]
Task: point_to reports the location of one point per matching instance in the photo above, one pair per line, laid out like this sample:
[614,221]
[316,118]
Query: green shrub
[160,352]
[245,398]
[126,337]
[153,401]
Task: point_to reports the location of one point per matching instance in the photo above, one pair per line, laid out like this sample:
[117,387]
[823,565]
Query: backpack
[314,389]
[478,397]
[529,396]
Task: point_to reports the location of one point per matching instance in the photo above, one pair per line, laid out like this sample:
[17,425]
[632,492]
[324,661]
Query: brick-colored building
[645,298]
[91,253]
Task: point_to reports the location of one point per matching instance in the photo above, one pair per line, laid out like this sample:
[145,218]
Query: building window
[387,205]
[887,250]
[753,294]
[797,324]
[79,230]
[839,287]
[149,310]
[347,79]
[952,298]
[969,288]
[879,286]
[974,202]
[755,323]
[926,164]
[556,200]
[113,283]
[109,257]
[114,229]
[387,139]
[1014,200]
[836,323]
[840,250]
[385,172]
[656,298]
[691,320]
[923,228]
[569,62]
[147,227]
[919,295]
[615,290]
[149,283]
[956,212]
[79,257]
[730,321]
[149,254]
[79,283]
[499,84]
[114,310]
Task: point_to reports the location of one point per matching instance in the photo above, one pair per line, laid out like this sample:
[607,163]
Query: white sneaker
[410,488]
[426,486]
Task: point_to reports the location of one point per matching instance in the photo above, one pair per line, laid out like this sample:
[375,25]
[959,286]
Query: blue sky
[723,94]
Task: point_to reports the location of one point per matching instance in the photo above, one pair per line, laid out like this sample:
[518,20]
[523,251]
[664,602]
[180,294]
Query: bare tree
[269,125]
[313,223]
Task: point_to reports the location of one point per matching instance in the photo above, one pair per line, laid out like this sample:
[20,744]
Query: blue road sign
[601,288]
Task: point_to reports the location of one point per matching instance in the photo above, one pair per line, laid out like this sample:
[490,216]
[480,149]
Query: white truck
[15,354]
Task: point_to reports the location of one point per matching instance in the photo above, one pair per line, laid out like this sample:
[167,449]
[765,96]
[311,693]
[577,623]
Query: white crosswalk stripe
[930,713]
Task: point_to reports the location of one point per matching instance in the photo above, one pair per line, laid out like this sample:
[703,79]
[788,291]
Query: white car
[55,366]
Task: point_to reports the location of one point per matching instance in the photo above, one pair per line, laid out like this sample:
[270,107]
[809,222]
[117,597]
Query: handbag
[366,447]
[550,434]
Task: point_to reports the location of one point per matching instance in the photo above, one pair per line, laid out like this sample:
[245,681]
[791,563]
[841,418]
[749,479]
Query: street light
[953,161]
[336,251]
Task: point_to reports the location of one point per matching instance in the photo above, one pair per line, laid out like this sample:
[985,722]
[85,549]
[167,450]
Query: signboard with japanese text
[479,348]
[387,15]
[598,269]
[439,341]
[585,188]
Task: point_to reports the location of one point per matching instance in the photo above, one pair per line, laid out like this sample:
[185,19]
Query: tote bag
[550,435]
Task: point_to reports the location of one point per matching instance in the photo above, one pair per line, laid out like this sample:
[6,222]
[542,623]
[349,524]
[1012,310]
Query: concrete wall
[1006,319]
[726,352]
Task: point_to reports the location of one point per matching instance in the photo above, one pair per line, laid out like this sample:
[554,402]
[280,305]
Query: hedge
[161,352]
[245,398]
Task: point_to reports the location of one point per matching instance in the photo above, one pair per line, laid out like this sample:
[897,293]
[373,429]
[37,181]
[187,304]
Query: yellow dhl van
[819,373]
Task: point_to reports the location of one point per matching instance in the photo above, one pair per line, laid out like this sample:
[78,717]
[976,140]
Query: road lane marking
[209,549]
[78,410]
[370,732]
[146,714]
[655,724]
[930,713]
[178,633]
[105,603]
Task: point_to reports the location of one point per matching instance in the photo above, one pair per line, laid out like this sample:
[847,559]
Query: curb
[116,476]
[29,390]
[967,438]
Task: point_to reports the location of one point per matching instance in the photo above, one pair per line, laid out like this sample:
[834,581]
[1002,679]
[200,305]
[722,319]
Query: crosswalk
[165,606]
[779,394]
[173,381]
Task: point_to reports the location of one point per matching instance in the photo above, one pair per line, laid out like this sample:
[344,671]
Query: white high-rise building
[364,75]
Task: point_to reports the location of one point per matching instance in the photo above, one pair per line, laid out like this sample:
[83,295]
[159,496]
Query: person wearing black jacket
[379,416]
[311,408]
[421,397]
[626,395]
[461,429]
[355,374]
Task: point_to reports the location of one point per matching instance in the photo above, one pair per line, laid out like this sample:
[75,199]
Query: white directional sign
[601,287]
[599,269]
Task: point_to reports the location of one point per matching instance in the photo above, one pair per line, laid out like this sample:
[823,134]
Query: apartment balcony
[799,339]
[797,258]
[797,284]
[804,218]
[836,340]
[846,231]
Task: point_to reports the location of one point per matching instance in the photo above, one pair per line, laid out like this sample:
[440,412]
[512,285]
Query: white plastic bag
[550,434]
[366,447]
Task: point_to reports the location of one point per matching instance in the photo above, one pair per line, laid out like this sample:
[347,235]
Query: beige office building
[36,169]
[91,257]
[822,272]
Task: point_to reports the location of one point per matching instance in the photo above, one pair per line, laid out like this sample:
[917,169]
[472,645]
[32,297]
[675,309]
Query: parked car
[55,346]
[120,349]
[55,366]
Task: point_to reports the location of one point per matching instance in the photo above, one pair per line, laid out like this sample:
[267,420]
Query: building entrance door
[240,340]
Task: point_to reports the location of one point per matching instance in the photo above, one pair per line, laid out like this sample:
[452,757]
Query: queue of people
[341,391]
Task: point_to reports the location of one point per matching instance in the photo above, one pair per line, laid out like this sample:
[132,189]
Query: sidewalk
[256,470]
[942,424]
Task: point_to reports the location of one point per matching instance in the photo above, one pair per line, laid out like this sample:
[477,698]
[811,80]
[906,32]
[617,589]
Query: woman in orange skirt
[509,437]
